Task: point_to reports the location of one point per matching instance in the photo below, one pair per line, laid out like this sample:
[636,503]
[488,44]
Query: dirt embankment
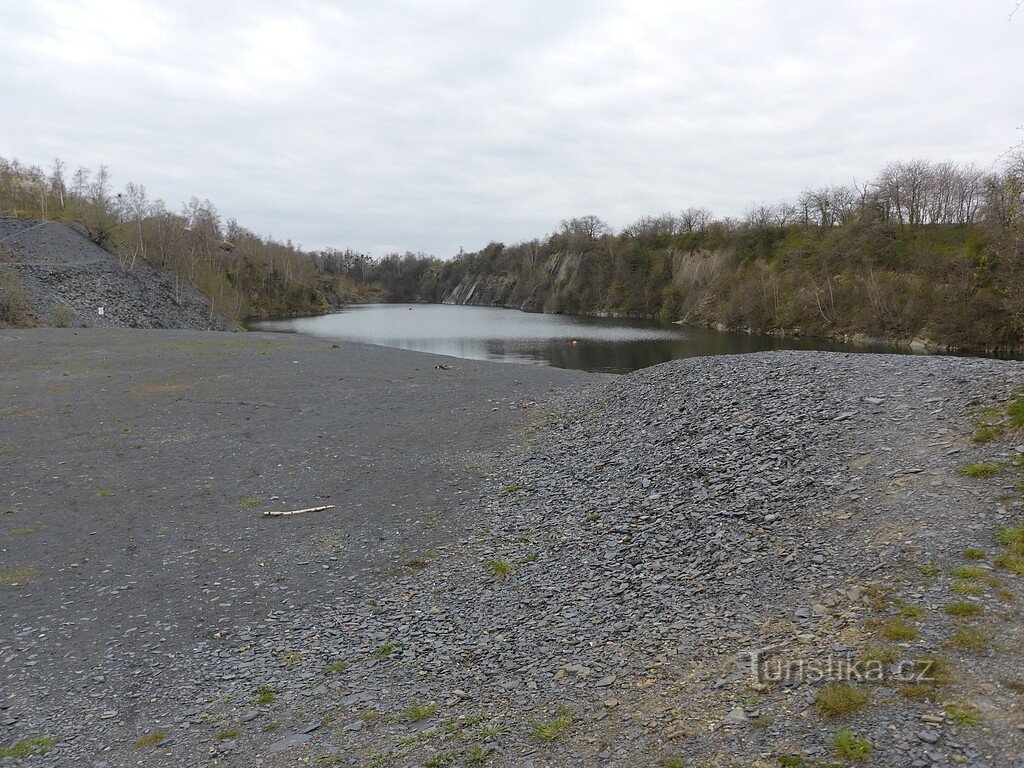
[64,279]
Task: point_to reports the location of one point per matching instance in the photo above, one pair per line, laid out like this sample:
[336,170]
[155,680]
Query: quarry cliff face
[543,289]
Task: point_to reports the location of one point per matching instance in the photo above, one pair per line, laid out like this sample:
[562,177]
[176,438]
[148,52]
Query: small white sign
[99,311]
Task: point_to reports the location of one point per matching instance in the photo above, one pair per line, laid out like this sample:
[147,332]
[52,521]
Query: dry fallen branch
[283,513]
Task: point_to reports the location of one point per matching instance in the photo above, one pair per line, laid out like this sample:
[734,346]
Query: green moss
[26,748]
[17,577]
[149,740]
[972,553]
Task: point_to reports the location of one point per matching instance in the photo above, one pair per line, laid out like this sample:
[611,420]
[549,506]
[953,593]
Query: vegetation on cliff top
[925,250]
[933,250]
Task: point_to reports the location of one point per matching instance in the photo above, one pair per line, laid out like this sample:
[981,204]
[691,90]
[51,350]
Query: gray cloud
[433,125]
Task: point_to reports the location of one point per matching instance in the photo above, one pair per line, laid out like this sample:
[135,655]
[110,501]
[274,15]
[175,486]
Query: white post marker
[99,311]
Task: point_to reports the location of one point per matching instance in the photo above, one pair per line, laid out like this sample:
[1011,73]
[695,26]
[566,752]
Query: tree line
[243,274]
[924,249]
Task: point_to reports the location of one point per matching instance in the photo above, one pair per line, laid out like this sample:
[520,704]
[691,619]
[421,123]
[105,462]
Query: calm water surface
[487,333]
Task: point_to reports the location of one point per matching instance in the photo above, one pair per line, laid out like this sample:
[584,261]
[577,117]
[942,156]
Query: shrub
[13,298]
[62,313]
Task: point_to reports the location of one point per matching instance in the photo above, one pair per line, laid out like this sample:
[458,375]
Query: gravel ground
[64,272]
[604,594]
[134,470]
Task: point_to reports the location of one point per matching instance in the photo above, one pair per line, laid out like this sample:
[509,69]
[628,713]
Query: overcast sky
[431,125]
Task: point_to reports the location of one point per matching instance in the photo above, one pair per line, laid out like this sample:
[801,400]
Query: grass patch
[265,694]
[102,493]
[896,629]
[508,489]
[879,655]
[968,572]
[17,577]
[839,700]
[1011,537]
[418,562]
[851,747]
[934,669]
[476,755]
[149,740]
[227,734]
[967,639]
[532,556]
[498,568]
[963,609]
[911,611]
[986,433]
[35,747]
[386,649]
[336,667]
[549,730]
[966,588]
[251,502]
[930,569]
[917,691]
[981,471]
[1015,411]
[1011,562]
[973,553]
[964,715]
[418,712]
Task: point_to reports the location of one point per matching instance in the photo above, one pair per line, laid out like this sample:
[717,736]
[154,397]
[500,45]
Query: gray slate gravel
[655,529]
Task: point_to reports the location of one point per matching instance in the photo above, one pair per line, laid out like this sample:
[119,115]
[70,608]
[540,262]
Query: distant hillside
[928,254]
[52,275]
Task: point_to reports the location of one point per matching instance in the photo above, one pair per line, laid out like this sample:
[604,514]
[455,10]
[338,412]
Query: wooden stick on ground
[283,513]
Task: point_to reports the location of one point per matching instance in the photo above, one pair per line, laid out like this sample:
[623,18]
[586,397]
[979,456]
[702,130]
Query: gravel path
[609,584]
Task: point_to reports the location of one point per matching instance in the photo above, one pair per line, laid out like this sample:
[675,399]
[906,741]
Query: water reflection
[487,333]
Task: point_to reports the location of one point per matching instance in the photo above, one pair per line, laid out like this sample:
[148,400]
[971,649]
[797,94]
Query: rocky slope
[67,278]
[811,509]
